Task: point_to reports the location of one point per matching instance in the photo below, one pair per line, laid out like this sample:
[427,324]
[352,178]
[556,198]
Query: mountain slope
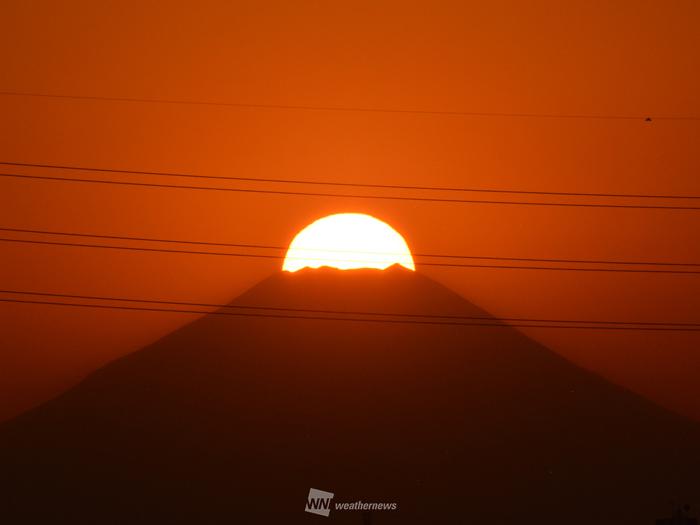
[233,419]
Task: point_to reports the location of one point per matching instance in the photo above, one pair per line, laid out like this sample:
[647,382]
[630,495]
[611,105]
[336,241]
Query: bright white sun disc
[346,241]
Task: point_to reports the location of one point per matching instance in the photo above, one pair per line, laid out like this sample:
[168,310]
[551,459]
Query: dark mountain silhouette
[233,419]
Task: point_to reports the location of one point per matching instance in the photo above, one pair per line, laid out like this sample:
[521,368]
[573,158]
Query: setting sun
[346,241]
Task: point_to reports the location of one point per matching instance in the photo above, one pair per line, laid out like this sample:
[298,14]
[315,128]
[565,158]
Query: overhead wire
[343,312]
[345,184]
[354,252]
[349,196]
[495,323]
[332,260]
[351,109]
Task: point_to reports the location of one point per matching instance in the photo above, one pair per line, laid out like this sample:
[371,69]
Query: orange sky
[595,58]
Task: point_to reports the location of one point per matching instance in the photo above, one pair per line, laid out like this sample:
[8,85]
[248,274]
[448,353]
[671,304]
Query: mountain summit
[233,418]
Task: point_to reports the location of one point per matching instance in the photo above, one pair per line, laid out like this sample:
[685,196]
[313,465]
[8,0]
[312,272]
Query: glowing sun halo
[346,241]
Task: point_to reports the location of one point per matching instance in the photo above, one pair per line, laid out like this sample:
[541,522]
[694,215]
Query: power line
[281,257]
[345,312]
[350,196]
[350,319]
[283,248]
[347,184]
[346,109]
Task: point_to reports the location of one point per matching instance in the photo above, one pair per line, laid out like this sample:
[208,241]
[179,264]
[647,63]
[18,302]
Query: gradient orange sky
[583,58]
